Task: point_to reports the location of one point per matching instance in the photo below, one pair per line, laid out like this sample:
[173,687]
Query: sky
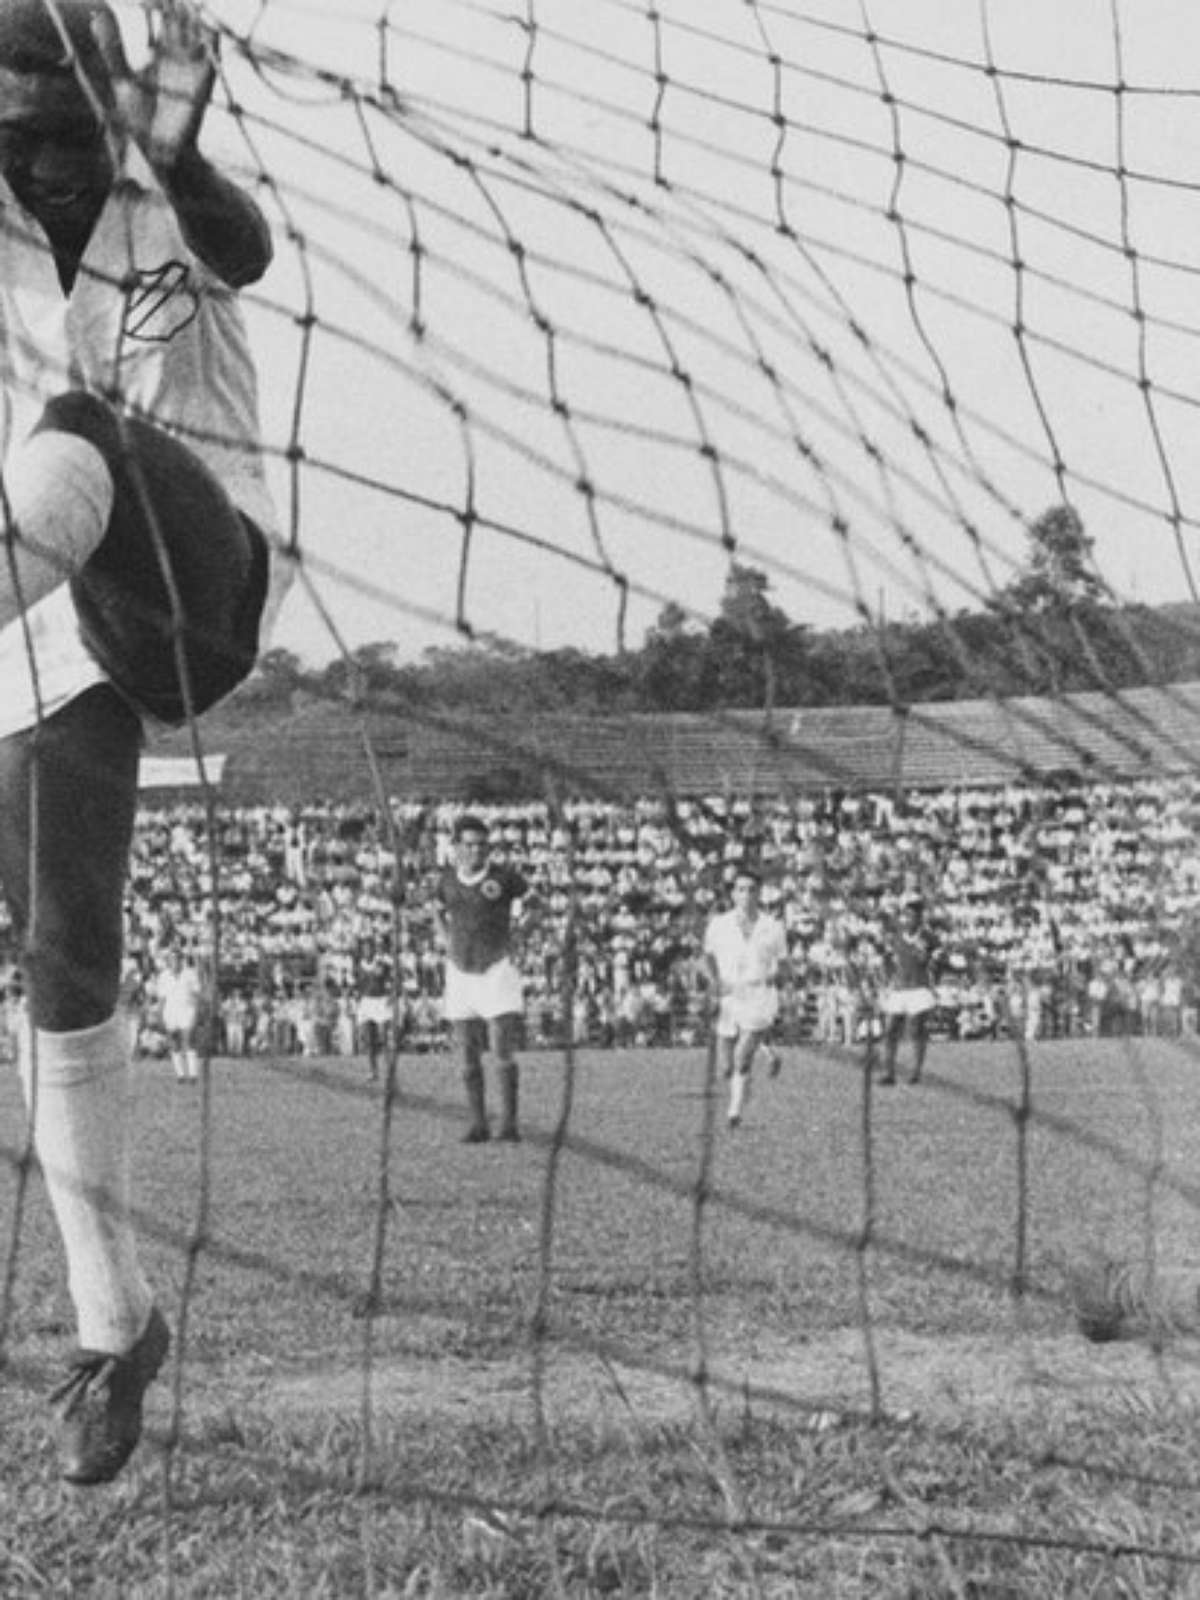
[574,305]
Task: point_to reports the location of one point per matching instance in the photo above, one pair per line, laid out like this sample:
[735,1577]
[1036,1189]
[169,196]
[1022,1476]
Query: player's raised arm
[163,109]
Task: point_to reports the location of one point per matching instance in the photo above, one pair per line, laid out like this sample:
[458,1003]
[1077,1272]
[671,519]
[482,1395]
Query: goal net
[577,309]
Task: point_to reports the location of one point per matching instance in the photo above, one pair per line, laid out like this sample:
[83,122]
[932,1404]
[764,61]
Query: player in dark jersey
[909,999]
[483,999]
[374,1008]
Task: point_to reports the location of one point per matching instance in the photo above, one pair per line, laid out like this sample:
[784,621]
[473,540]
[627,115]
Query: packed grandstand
[1060,905]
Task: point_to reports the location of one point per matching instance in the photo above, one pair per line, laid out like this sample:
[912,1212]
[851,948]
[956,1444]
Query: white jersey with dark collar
[746,957]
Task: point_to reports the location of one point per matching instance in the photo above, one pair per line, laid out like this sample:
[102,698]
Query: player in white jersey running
[484,997]
[746,957]
[135,521]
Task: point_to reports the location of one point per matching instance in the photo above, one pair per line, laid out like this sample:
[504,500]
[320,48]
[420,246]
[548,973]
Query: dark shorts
[170,603]
[68,795]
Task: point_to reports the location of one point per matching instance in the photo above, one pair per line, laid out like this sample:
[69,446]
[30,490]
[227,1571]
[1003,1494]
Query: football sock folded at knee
[77,1088]
[58,498]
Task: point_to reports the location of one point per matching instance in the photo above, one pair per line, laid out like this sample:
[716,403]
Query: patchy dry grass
[715,1380]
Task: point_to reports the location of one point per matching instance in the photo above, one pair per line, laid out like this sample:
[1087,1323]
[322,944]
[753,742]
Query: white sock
[58,498]
[177,1063]
[739,1085]
[77,1088]
[191,1064]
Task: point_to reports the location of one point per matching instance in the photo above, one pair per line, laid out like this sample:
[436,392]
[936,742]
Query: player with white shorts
[180,992]
[373,1011]
[746,956]
[483,998]
[909,999]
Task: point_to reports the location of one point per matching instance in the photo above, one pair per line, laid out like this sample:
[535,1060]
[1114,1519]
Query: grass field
[829,1355]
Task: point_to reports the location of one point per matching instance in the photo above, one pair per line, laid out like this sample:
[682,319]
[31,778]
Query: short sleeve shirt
[746,958]
[179,992]
[147,322]
[375,976]
[478,914]
[911,957]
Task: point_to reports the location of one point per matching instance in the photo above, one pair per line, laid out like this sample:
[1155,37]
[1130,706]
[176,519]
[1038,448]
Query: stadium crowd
[1056,909]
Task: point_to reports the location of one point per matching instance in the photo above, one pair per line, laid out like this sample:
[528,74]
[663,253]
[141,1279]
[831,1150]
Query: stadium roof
[321,750]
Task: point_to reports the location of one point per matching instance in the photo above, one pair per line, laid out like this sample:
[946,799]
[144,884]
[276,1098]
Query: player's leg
[501,1001]
[503,1032]
[772,1043]
[57,500]
[743,1050]
[726,1034]
[725,1043]
[919,1022]
[68,792]
[469,1036]
[191,1055]
[163,569]
[370,1029]
[462,1010]
[175,1049]
[893,1032]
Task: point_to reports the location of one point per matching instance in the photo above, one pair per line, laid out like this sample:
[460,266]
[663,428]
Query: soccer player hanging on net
[133,582]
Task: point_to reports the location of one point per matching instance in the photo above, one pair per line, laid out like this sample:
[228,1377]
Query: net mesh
[572,309]
[717,303]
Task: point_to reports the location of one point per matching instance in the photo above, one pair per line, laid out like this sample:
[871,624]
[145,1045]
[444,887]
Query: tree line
[1053,629]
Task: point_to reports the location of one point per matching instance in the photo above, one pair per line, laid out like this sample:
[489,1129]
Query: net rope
[597,301]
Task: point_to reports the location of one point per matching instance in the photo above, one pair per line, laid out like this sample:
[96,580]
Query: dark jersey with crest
[478,914]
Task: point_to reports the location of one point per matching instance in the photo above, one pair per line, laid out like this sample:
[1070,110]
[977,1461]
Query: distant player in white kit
[180,993]
[746,957]
[484,998]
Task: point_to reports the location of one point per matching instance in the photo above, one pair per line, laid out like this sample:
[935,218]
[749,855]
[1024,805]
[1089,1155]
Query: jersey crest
[159,303]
